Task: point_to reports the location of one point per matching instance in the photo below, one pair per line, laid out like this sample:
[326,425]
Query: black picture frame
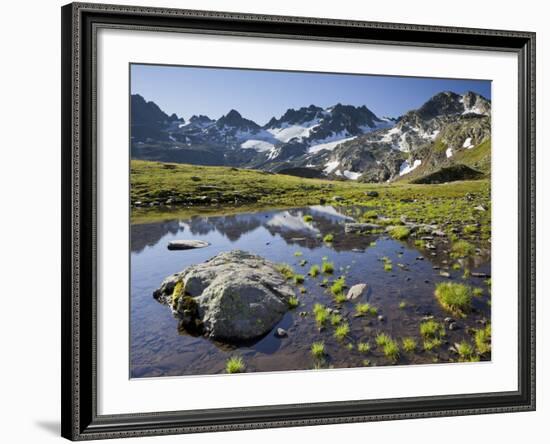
[80,420]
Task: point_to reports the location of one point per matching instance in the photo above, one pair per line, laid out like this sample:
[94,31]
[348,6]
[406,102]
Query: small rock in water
[356,291]
[436,267]
[480,275]
[420,258]
[303,314]
[187,244]
[357,250]
[453,326]
[438,233]
[445,274]
[448,319]
[381,318]
[281,333]
[427,238]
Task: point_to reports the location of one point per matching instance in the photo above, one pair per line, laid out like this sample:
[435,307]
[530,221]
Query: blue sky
[260,95]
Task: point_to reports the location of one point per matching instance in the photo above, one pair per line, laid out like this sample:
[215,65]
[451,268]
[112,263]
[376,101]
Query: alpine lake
[397,320]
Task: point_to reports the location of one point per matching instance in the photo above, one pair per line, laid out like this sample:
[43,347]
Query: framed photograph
[281,221]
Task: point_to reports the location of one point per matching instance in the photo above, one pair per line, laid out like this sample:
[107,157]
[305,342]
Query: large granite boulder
[233,296]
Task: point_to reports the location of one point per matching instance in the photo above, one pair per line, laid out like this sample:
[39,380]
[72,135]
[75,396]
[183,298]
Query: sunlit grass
[234,364]
[293,302]
[327,267]
[341,331]
[328,238]
[462,248]
[314,270]
[363,347]
[399,232]
[453,297]
[408,344]
[318,349]
[482,339]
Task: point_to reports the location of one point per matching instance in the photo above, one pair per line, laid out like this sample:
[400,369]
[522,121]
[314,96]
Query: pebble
[281,333]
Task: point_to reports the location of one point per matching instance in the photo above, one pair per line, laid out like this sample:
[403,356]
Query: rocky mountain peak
[234,119]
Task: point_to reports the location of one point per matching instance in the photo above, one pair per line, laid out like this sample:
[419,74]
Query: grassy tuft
[455,298]
[286,270]
[328,238]
[409,344]
[318,349]
[293,302]
[314,270]
[462,248]
[321,314]
[308,218]
[431,329]
[466,352]
[327,267]
[382,339]
[482,339]
[341,331]
[235,364]
[298,279]
[399,232]
[363,347]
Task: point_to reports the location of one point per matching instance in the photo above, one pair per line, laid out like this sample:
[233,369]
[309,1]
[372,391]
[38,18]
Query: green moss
[335,319]
[469,229]
[298,278]
[477,292]
[177,293]
[234,364]
[453,297]
[308,218]
[430,344]
[298,253]
[363,347]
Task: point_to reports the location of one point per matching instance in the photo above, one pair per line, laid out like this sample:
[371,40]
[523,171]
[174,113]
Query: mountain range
[447,137]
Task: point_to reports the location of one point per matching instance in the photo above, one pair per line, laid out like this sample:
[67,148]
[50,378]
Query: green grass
[402,305]
[298,253]
[430,344]
[318,349]
[363,347]
[335,319]
[382,339]
[364,308]
[293,302]
[327,267]
[455,298]
[456,266]
[469,229]
[234,364]
[308,218]
[314,270]
[321,314]
[286,270]
[466,352]
[462,248]
[391,350]
[477,292]
[482,339]
[328,238]
[408,344]
[399,232]
[338,286]
[298,278]
[341,331]
[431,329]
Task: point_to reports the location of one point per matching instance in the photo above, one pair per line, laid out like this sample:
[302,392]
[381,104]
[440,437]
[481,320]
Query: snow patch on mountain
[449,153]
[329,145]
[406,167]
[468,143]
[352,175]
[258,145]
[288,132]
[331,166]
